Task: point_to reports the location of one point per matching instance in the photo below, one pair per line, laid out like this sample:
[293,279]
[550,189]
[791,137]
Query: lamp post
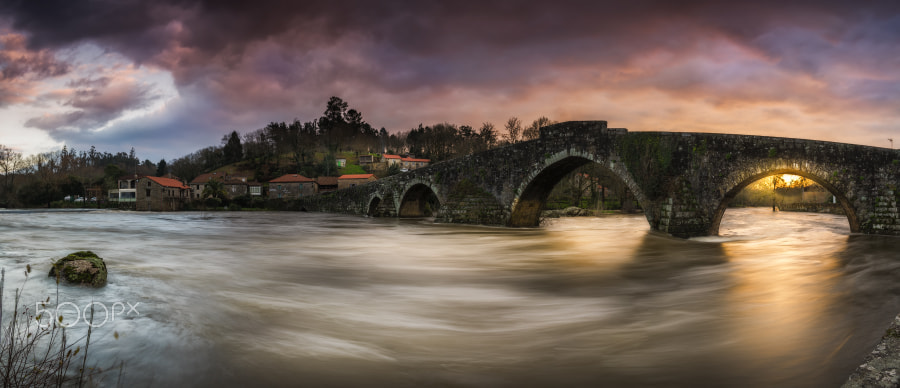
[890,139]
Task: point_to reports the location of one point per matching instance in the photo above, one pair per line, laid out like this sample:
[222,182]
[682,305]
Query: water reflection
[235,299]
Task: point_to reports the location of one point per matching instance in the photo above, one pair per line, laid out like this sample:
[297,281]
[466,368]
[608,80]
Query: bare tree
[11,164]
[534,131]
[513,129]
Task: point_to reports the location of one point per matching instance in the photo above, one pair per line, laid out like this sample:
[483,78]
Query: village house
[126,190]
[236,186]
[199,183]
[390,159]
[413,163]
[291,186]
[327,184]
[347,181]
[161,194]
[366,160]
[255,189]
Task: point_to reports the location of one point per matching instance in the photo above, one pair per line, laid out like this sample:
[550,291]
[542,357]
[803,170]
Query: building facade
[125,191]
[161,194]
[347,181]
[292,186]
[413,163]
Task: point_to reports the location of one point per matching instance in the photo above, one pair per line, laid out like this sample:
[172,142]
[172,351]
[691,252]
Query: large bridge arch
[745,176]
[416,198]
[536,187]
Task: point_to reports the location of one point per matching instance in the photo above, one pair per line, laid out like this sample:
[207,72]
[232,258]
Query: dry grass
[35,350]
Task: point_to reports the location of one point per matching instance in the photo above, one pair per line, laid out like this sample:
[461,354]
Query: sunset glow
[169,78]
[790,180]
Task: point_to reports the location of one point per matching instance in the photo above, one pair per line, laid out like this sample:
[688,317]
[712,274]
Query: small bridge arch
[374,204]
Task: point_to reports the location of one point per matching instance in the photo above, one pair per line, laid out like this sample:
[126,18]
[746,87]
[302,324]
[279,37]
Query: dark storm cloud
[251,62]
[21,68]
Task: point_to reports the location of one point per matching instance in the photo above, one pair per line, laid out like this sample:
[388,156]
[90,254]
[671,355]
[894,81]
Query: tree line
[311,147]
[306,147]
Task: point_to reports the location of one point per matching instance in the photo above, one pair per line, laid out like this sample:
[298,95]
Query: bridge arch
[419,199]
[534,190]
[741,179]
[374,203]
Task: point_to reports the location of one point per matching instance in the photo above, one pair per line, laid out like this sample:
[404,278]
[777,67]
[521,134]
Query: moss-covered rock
[83,267]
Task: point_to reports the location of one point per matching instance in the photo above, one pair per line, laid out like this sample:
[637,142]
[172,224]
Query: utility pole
[890,139]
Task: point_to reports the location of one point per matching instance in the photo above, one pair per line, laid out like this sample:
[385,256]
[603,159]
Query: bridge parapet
[580,129]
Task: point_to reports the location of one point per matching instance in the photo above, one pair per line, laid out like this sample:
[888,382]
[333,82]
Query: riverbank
[882,367]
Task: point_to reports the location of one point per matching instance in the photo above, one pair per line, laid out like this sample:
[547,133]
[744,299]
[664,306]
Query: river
[311,299]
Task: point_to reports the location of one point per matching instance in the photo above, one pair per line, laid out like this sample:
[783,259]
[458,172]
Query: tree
[513,129]
[333,127]
[162,168]
[214,192]
[233,151]
[11,165]
[534,131]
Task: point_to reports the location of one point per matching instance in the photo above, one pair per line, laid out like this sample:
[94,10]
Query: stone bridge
[683,181]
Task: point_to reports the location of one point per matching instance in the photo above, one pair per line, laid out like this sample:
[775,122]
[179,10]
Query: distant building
[413,163]
[161,194]
[291,186]
[365,160]
[390,159]
[341,162]
[199,183]
[126,190]
[255,189]
[236,186]
[327,183]
[347,181]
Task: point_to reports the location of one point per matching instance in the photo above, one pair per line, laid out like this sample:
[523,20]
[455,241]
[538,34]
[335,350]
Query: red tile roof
[167,182]
[415,160]
[386,156]
[356,176]
[291,178]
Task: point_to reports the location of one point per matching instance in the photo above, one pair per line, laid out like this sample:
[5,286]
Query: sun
[789,179]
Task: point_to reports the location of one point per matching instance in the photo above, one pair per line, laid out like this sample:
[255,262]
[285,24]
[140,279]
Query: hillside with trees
[310,148]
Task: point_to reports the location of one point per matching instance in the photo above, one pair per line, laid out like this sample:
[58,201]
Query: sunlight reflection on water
[231,299]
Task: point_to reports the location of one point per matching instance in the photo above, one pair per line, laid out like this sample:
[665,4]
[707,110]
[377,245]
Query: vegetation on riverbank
[35,347]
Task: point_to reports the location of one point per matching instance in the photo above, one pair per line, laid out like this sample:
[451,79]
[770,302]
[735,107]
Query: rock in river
[83,267]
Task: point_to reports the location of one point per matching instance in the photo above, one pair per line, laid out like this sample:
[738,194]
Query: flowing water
[308,299]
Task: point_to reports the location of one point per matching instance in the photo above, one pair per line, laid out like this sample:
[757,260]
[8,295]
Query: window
[148,192]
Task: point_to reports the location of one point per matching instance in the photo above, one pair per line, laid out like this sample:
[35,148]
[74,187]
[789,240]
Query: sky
[168,77]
